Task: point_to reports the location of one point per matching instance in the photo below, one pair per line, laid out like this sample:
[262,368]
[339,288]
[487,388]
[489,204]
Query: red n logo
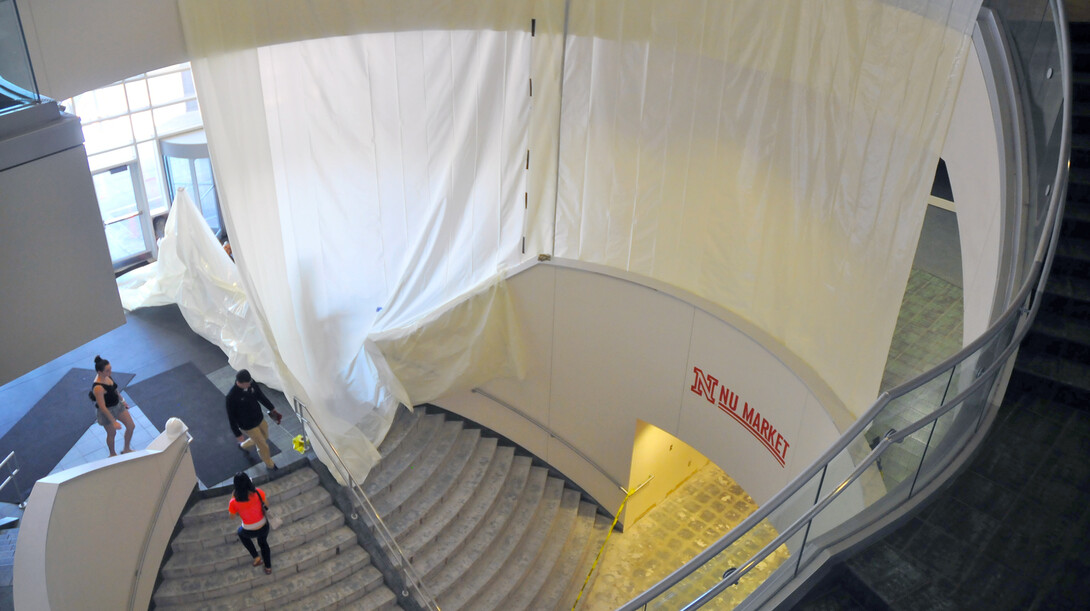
[704,385]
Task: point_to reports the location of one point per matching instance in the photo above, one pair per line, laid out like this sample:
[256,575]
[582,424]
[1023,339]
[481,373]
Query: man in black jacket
[244,402]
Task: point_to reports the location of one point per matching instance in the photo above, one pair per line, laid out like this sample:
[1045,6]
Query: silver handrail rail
[11,476]
[890,438]
[401,561]
[552,434]
[1035,282]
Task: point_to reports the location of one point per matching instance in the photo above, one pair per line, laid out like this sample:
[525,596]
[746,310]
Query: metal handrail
[413,578]
[11,477]
[890,438]
[552,434]
[1035,282]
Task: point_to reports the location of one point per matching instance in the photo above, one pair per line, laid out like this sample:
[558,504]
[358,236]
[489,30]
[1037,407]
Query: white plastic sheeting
[377,159]
[367,180]
[773,157]
[195,272]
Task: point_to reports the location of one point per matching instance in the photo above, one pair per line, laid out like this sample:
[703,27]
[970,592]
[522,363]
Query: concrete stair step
[567,570]
[480,484]
[1055,368]
[483,556]
[218,584]
[219,555]
[1068,287]
[404,421]
[391,466]
[348,591]
[522,596]
[521,562]
[283,590]
[277,490]
[1061,327]
[426,463]
[594,544]
[379,599]
[439,484]
[207,534]
[483,513]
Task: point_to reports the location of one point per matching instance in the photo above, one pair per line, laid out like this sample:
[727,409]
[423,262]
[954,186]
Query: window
[124,126]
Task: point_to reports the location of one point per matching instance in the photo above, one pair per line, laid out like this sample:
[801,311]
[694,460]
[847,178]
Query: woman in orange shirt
[248,503]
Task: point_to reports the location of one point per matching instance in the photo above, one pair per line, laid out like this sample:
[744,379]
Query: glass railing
[907,439]
[17,85]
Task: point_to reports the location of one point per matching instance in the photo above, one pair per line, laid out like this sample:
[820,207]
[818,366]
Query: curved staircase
[482,525]
[317,561]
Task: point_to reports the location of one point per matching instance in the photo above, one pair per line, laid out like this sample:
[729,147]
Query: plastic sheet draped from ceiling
[771,156]
[195,272]
[368,180]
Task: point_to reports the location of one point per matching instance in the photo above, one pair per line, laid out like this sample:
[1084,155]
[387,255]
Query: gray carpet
[50,429]
[186,393]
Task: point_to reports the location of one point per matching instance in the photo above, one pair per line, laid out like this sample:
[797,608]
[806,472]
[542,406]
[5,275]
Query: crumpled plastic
[194,272]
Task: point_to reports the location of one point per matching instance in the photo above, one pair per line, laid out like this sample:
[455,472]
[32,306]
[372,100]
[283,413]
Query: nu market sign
[727,400]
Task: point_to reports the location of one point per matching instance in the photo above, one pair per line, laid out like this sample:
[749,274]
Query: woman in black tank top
[113,410]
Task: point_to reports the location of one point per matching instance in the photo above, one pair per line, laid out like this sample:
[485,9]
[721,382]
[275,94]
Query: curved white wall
[93,536]
[605,349]
[972,157]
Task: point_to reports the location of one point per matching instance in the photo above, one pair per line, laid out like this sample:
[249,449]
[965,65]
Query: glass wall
[125,125]
[17,85]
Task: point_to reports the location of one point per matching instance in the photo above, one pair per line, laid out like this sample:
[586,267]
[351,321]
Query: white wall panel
[532,296]
[737,372]
[971,153]
[482,410]
[618,354]
[605,351]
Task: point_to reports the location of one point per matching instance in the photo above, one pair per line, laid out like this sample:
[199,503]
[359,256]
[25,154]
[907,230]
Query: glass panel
[154,186]
[110,159]
[177,118]
[109,134]
[951,431]
[137,92]
[14,63]
[115,193]
[171,87]
[102,103]
[143,127]
[179,175]
[126,239]
[903,411]
[967,371]
[110,101]
[83,105]
[118,206]
[206,189]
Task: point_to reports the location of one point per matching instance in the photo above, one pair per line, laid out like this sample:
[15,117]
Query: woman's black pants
[262,536]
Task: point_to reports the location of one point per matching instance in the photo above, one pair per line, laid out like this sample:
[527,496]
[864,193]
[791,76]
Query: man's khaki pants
[259,436]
